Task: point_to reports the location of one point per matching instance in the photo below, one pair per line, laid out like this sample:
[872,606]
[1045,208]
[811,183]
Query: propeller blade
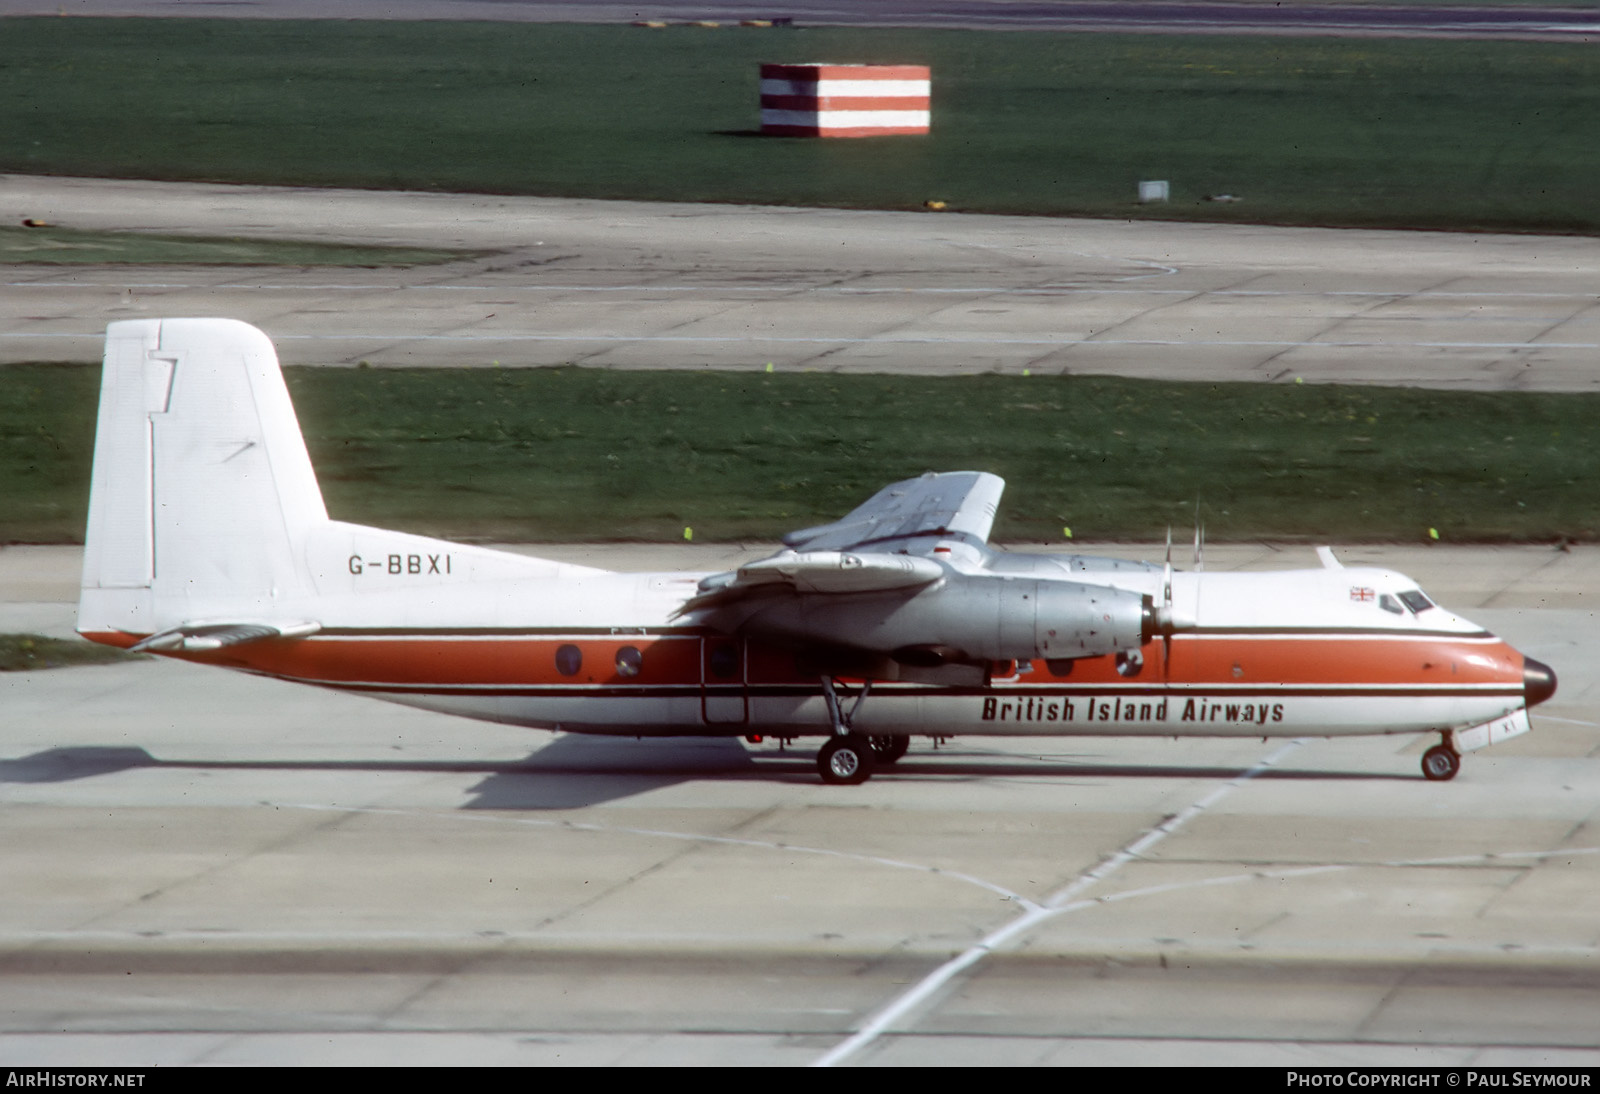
[1166,574]
[1165,615]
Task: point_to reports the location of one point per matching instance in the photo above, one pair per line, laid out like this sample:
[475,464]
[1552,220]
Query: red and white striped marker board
[844,100]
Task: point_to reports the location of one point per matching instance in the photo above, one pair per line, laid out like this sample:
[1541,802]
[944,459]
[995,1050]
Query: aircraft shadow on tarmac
[576,771]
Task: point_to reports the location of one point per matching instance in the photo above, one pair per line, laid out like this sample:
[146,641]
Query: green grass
[1343,131]
[47,420]
[30,652]
[561,454]
[66,246]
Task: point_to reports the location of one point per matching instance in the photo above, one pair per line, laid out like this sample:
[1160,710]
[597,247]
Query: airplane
[208,540]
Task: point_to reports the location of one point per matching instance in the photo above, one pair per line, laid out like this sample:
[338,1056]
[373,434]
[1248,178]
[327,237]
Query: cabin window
[569,659]
[629,661]
[1416,601]
[724,660]
[1130,663]
[1059,666]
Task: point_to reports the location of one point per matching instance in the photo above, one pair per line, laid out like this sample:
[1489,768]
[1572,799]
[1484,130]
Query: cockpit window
[1390,604]
[1416,601]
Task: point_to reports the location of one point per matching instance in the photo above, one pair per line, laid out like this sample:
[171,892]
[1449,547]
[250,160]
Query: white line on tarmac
[339,938]
[1487,858]
[1037,915]
[1054,905]
[689,837]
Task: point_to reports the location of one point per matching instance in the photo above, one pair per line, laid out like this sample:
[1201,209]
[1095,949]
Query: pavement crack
[1555,556]
[216,868]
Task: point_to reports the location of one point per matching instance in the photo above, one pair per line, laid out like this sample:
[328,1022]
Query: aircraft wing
[959,503]
[840,557]
[884,583]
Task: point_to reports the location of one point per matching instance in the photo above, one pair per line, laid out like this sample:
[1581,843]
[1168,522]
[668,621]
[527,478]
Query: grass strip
[56,246]
[577,454]
[1386,132]
[31,652]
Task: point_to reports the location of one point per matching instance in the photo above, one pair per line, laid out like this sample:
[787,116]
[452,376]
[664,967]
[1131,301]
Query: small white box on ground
[1153,191]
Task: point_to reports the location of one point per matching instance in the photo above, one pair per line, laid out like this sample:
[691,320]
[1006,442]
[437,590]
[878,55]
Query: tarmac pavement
[636,285]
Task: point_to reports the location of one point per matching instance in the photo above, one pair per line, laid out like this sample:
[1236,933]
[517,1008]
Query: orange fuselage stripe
[679,660]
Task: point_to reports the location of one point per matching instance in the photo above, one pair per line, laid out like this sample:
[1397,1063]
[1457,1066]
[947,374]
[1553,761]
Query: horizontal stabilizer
[198,637]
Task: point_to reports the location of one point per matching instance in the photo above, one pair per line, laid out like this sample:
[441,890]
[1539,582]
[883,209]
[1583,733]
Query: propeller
[1166,574]
[1164,615]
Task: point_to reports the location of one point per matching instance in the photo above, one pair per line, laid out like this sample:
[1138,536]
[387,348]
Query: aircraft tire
[845,761]
[887,748]
[1440,763]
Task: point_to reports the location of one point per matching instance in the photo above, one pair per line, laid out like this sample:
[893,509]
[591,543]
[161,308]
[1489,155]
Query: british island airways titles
[1035,709]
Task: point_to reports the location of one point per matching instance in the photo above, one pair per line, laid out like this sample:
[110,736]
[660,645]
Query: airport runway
[204,868]
[634,285]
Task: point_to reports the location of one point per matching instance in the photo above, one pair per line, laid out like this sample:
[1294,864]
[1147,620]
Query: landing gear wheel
[888,749]
[845,761]
[1440,763]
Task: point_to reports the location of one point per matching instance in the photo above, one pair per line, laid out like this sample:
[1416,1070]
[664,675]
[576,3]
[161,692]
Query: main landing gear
[1441,762]
[849,758]
[886,749]
[845,760]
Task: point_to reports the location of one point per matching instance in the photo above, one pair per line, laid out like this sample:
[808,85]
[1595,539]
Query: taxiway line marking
[1052,906]
[690,837]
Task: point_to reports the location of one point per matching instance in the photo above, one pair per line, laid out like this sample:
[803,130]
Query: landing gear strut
[849,757]
[1441,762]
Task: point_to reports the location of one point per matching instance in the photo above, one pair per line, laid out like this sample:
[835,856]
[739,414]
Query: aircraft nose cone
[1538,681]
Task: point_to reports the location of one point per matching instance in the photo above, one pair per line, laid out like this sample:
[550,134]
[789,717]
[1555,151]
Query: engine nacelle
[968,617]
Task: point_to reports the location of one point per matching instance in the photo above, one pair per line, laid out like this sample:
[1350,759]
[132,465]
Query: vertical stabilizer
[202,494]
